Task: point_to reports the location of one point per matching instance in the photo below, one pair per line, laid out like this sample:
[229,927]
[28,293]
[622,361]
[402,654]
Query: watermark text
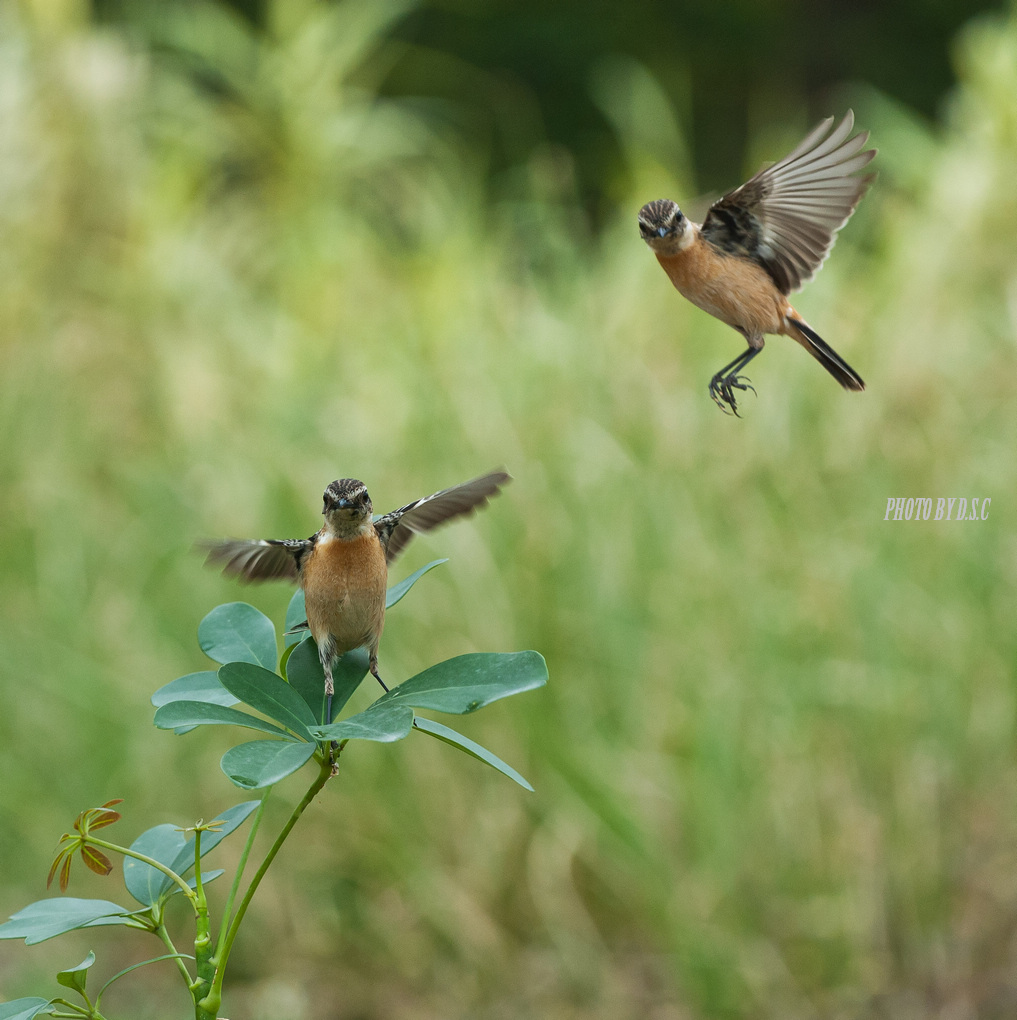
[947,508]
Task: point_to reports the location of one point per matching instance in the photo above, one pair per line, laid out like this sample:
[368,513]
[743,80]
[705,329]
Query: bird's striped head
[664,227]
[346,503]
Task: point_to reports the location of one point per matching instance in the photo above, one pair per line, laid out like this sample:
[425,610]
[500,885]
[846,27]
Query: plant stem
[168,872]
[204,964]
[135,966]
[92,1012]
[168,943]
[211,1002]
[248,846]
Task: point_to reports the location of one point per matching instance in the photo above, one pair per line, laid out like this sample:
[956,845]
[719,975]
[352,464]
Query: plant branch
[179,957]
[151,862]
[204,962]
[242,864]
[164,935]
[214,997]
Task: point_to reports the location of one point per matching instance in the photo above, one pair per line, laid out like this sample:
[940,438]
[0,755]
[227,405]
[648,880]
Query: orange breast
[344,587]
[730,288]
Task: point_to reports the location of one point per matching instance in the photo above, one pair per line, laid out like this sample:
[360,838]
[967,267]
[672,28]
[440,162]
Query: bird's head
[346,504]
[664,227]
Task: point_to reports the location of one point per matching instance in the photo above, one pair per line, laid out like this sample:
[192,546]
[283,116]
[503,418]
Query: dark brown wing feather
[787,216]
[258,560]
[395,529]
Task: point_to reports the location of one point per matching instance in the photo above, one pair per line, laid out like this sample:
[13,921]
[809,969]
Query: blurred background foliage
[248,250]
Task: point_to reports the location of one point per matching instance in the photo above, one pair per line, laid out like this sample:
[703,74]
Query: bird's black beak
[661,231]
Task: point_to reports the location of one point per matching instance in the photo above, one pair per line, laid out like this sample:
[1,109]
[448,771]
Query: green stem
[198,891]
[168,943]
[168,872]
[234,889]
[135,966]
[212,1001]
[92,1012]
[205,965]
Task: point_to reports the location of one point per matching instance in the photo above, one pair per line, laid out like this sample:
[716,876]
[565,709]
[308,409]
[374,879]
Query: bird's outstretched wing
[395,529]
[786,217]
[258,560]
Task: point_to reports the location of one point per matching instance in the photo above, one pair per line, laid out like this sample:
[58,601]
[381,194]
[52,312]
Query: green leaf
[268,693]
[48,918]
[261,763]
[202,686]
[75,977]
[168,845]
[296,612]
[347,673]
[384,722]
[237,632]
[206,877]
[228,821]
[308,679]
[162,843]
[469,682]
[198,713]
[284,660]
[305,675]
[24,1009]
[397,591]
[471,747]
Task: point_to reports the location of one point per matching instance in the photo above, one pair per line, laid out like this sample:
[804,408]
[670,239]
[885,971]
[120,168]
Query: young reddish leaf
[96,860]
[56,864]
[98,817]
[104,818]
[65,873]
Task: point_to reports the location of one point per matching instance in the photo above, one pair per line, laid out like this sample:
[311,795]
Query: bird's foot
[373,667]
[722,389]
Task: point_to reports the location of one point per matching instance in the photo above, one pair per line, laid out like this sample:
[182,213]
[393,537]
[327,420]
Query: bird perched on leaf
[762,241]
[343,568]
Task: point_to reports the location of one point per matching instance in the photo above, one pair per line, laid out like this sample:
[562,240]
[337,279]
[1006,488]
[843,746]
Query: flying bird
[343,568]
[762,241]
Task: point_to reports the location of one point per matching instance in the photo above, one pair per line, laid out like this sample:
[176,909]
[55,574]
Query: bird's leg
[727,380]
[325,655]
[374,670]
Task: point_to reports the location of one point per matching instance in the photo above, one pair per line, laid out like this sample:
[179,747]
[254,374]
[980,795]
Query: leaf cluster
[284,699]
[291,702]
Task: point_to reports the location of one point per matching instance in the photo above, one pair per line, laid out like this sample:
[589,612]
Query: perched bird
[343,569]
[762,241]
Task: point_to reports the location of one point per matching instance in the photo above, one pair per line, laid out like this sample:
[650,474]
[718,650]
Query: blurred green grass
[775,764]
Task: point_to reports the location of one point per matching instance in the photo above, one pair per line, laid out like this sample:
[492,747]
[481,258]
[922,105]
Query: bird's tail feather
[824,354]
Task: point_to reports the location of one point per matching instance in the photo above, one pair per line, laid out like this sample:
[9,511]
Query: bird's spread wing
[258,560]
[786,217]
[395,529]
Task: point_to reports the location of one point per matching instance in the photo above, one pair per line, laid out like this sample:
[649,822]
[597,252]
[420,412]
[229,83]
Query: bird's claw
[722,389]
